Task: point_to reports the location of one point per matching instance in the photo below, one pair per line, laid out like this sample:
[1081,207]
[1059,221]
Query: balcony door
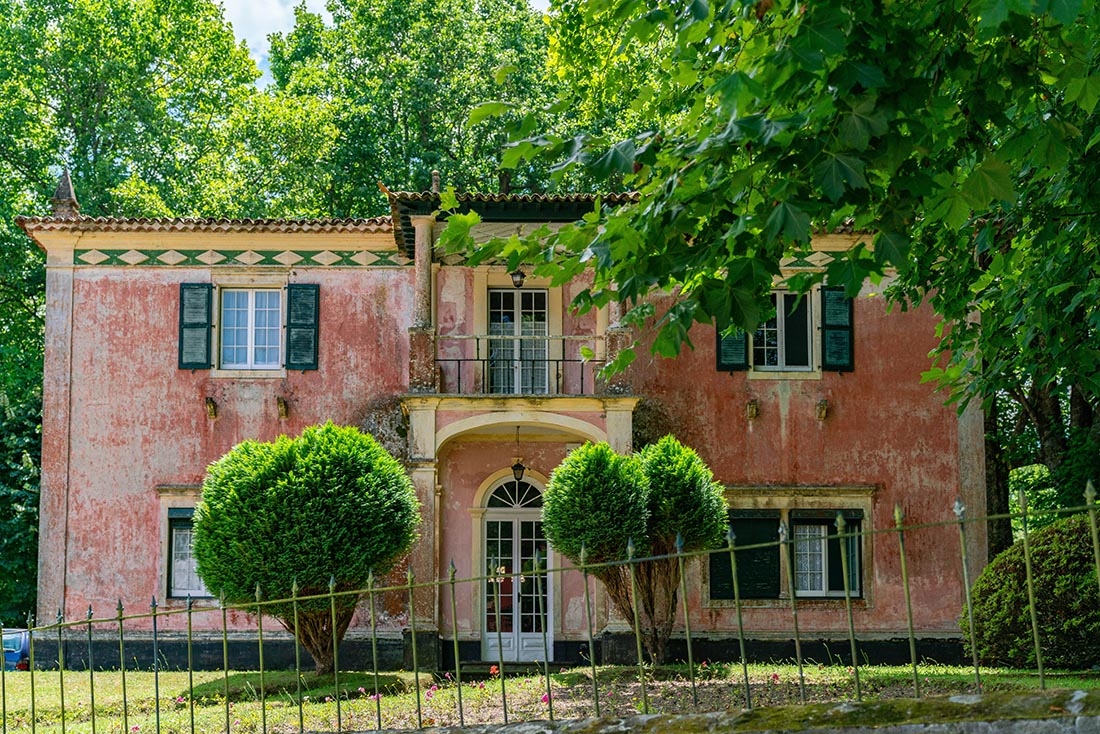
[513,532]
[518,363]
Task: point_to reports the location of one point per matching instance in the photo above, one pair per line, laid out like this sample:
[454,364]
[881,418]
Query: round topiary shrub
[1067,601]
[331,504]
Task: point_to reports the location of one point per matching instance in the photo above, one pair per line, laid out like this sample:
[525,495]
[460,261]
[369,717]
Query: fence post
[899,515]
[409,577]
[454,629]
[190,664]
[121,669]
[297,654]
[637,626]
[544,622]
[91,672]
[960,515]
[588,618]
[496,581]
[156,663]
[842,540]
[687,620]
[785,541]
[1031,591]
[61,665]
[731,540]
[30,665]
[225,657]
[335,650]
[1090,501]
[260,645]
[374,649]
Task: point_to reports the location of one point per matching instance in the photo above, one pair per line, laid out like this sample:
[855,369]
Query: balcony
[518,365]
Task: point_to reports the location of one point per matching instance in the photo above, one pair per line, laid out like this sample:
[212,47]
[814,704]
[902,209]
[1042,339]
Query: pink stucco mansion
[170,340]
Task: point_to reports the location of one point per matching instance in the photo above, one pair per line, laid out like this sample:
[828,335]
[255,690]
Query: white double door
[517,601]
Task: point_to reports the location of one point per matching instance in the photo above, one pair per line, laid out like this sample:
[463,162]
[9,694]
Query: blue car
[17,647]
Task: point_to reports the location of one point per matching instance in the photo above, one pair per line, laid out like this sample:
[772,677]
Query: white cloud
[253,20]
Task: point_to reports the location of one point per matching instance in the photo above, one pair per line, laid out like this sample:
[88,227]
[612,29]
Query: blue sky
[253,20]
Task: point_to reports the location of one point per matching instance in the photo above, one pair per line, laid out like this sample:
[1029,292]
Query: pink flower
[376,697]
[545,697]
[179,699]
[328,699]
[236,722]
[775,678]
[481,684]
[135,728]
[362,689]
[447,675]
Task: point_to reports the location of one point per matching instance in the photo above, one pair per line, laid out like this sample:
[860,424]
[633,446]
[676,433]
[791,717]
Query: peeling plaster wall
[884,428]
[137,422]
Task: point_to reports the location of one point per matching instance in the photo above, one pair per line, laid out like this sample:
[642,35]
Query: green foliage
[601,501]
[330,503]
[20,452]
[1067,601]
[1042,497]
[1080,465]
[963,136]
[598,500]
[400,80]
[684,499]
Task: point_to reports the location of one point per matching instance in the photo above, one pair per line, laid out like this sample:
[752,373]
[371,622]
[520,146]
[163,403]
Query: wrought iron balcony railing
[489,364]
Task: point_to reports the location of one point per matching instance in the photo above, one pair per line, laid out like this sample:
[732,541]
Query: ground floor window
[183,579]
[812,556]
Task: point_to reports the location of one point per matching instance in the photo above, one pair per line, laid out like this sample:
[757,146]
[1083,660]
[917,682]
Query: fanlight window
[516,495]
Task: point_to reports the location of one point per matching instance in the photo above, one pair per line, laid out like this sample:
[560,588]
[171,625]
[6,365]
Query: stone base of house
[618,648]
[435,653]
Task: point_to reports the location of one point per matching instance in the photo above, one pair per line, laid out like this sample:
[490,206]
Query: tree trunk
[656,583]
[996,485]
[1046,410]
[315,632]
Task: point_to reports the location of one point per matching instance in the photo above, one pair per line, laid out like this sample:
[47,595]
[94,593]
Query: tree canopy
[960,137]
[298,515]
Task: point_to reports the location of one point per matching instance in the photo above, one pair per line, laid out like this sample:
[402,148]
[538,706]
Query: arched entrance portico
[518,603]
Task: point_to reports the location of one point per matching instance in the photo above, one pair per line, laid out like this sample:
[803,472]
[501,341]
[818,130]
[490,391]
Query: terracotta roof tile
[510,207]
[187,224]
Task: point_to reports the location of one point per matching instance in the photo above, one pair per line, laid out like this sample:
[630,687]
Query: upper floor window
[251,329]
[519,364]
[254,330]
[784,341]
[811,332]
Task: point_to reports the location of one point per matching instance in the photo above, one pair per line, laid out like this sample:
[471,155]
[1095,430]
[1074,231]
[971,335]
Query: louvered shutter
[757,568]
[837,333]
[196,306]
[303,310]
[732,351]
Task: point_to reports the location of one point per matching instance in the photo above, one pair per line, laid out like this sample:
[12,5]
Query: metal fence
[740,694]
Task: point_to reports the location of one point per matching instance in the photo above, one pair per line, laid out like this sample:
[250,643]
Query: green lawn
[668,690]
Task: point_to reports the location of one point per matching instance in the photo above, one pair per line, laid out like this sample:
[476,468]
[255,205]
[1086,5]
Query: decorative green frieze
[285,258]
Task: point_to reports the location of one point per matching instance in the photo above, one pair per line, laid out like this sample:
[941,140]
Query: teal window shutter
[732,351]
[303,310]
[196,311]
[757,568]
[837,334]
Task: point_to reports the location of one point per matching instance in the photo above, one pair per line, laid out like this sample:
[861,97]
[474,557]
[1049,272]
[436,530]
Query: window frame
[176,502]
[181,519]
[795,505]
[779,296]
[250,365]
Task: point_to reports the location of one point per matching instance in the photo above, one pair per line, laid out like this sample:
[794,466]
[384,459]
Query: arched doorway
[512,534]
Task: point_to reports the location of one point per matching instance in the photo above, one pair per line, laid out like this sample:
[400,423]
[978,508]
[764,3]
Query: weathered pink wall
[138,422]
[884,428]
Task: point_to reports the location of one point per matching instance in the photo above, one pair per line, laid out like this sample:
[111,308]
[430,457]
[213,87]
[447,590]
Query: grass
[276,707]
